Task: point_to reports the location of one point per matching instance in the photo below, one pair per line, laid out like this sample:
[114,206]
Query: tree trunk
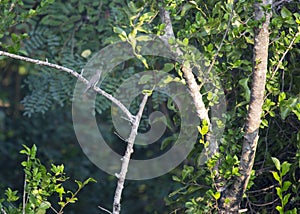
[231,197]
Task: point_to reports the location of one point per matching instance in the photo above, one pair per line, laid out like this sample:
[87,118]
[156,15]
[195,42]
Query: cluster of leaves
[282,170]
[13,13]
[39,186]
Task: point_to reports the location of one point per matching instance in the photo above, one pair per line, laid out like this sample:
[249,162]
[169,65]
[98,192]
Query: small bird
[93,81]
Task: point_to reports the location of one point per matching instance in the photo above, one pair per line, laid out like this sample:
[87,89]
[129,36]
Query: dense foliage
[35,101]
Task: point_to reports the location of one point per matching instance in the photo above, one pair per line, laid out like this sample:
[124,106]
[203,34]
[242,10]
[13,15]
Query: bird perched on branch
[93,81]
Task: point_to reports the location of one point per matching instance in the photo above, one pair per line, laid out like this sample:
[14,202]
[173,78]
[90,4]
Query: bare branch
[3,211]
[222,42]
[73,73]
[202,112]
[284,54]
[54,210]
[194,91]
[24,192]
[106,210]
[126,158]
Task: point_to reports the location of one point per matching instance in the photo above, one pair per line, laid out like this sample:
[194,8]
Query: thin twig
[119,136]
[106,210]
[54,210]
[126,158]
[3,211]
[275,4]
[73,73]
[265,204]
[283,56]
[24,191]
[222,41]
[261,190]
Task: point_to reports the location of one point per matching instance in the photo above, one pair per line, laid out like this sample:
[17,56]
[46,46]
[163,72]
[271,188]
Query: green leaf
[168,67]
[293,211]
[61,203]
[276,176]
[209,95]
[25,151]
[177,191]
[145,79]
[296,111]
[149,92]
[175,178]
[60,191]
[24,163]
[193,3]
[168,79]
[33,151]
[143,60]
[143,38]
[171,105]
[279,192]
[286,185]
[89,180]
[281,96]
[285,13]
[186,8]
[40,211]
[264,122]
[187,170]
[79,183]
[167,141]
[11,195]
[284,111]
[285,168]
[217,195]
[286,199]
[72,200]
[204,130]
[86,53]
[286,106]
[119,31]
[244,84]
[132,7]
[147,17]
[44,205]
[209,47]
[280,209]
[276,162]
[185,41]
[172,41]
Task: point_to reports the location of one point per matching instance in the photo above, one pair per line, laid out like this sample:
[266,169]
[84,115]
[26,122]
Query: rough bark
[232,195]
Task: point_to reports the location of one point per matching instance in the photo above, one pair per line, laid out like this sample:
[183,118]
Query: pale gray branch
[202,112]
[284,54]
[106,210]
[194,90]
[73,73]
[24,192]
[126,158]
[3,211]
